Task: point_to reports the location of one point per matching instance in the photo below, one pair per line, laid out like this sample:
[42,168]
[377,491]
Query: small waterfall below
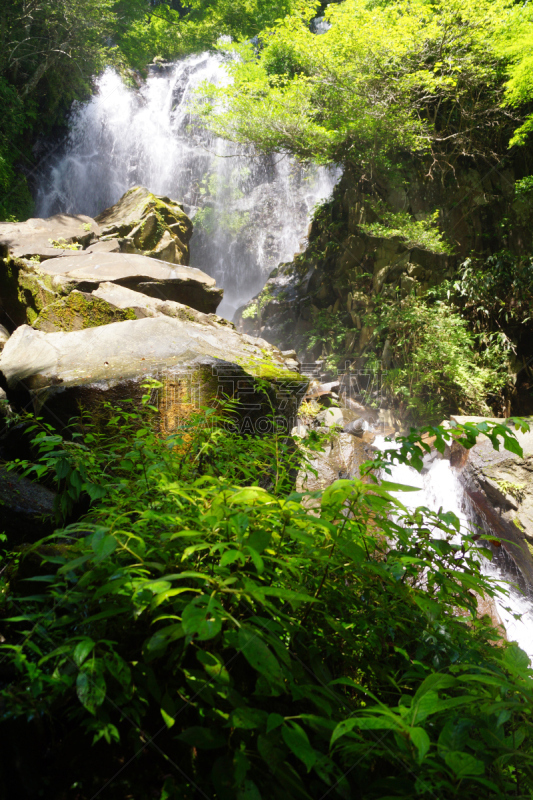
[251,212]
[441,488]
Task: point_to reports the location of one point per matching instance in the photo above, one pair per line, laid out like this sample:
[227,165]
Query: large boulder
[80,310]
[152,277]
[27,288]
[499,485]
[142,305]
[27,509]
[197,364]
[111,302]
[140,224]
[148,224]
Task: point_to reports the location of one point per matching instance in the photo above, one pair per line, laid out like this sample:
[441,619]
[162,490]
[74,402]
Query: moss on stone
[269,370]
[35,291]
[79,311]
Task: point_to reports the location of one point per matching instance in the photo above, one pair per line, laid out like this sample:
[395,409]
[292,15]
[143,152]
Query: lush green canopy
[429,78]
[51,50]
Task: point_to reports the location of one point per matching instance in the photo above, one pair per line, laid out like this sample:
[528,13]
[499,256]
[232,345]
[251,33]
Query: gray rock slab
[62,370]
[109,246]
[123,298]
[178,283]
[331,417]
[500,486]
[35,236]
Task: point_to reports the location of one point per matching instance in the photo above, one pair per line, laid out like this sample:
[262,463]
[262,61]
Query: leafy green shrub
[217,639]
[436,369]
[497,291]
[422,233]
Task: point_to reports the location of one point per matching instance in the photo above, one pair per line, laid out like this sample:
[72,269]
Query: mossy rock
[144,218]
[78,311]
[25,291]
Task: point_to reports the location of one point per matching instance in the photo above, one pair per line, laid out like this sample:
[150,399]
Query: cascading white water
[441,488]
[251,212]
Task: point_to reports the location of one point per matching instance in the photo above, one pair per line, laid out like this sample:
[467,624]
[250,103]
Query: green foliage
[514,44]
[253,311]
[422,233]
[169,33]
[385,79]
[497,291]
[263,648]
[329,331]
[436,369]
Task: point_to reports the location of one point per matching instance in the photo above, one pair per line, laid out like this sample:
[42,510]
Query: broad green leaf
[339,491]
[274,721]
[454,735]
[434,682]
[515,658]
[259,540]
[463,764]
[344,727]
[168,720]
[432,608]
[202,618]
[297,740]
[247,718]
[248,791]
[230,556]
[421,741]
[250,496]
[512,445]
[214,666]
[103,547]
[158,643]
[82,650]
[257,561]
[398,487]
[259,656]
[91,689]
[70,566]
[352,550]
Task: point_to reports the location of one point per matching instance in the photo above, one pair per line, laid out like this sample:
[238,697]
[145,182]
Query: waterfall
[251,212]
[441,488]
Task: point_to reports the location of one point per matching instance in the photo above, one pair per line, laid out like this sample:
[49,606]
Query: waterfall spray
[251,212]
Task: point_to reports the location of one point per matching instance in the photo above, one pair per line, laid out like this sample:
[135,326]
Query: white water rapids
[252,212]
[440,488]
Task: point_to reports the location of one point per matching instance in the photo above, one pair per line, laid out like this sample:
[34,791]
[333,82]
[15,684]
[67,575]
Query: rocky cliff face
[347,269]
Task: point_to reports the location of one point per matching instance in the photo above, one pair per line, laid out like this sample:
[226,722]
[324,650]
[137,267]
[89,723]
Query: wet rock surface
[499,485]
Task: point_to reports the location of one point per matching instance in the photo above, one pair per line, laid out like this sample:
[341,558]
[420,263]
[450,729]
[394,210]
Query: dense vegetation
[204,629]
[51,50]
[391,84]
[197,634]
[387,77]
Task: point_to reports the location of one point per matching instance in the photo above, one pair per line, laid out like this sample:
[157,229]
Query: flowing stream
[251,212]
[441,488]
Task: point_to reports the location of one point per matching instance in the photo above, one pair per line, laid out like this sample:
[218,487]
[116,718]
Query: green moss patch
[79,311]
